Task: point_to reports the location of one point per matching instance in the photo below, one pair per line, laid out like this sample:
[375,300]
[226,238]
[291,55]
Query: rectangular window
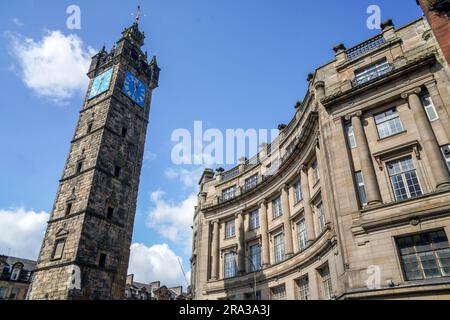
[278,247]
[229,193]
[302,237]
[325,279]
[255,257]
[350,136]
[102,260]
[58,249]
[251,182]
[79,166]
[15,273]
[254,220]
[124,132]
[276,208]
[425,255]
[279,292]
[68,208]
[321,216]
[14,293]
[3,293]
[89,128]
[388,123]
[251,296]
[316,172]
[229,229]
[372,72]
[404,179]
[303,288]
[361,188]
[117,171]
[446,154]
[429,107]
[110,212]
[230,264]
[298,191]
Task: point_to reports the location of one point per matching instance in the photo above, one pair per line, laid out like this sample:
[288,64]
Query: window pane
[429,107]
[230,265]
[429,265]
[388,123]
[350,136]
[411,267]
[446,154]
[444,261]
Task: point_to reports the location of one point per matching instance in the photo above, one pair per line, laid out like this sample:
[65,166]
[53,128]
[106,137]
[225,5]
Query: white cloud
[22,231]
[189,178]
[172,220]
[156,263]
[17,22]
[54,67]
[149,156]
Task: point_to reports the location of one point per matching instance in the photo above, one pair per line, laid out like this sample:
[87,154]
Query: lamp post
[253,267]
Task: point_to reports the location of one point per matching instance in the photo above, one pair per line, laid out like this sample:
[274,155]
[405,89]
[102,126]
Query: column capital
[284,186]
[215,221]
[416,91]
[353,114]
[262,202]
[303,167]
[240,213]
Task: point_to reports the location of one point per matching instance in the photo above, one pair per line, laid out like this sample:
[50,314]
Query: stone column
[429,143]
[288,247]
[264,234]
[215,250]
[241,243]
[307,210]
[367,169]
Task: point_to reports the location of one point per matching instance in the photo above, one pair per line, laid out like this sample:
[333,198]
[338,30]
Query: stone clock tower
[86,247]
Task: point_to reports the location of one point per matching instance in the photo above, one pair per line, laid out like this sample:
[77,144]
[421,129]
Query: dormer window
[16,272]
[372,71]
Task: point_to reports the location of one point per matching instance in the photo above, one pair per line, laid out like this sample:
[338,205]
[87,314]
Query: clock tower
[86,247]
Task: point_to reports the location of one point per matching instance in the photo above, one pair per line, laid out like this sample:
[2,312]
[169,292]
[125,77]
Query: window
[102,260]
[89,128]
[254,220]
[350,136]
[251,296]
[278,247]
[388,123]
[68,208]
[230,265]
[251,182]
[321,216]
[276,208]
[3,293]
[16,273]
[279,292]
[325,279]
[117,171]
[404,179]
[425,255]
[316,172]
[298,191]
[124,132]
[446,154]
[79,166]
[302,237]
[229,193]
[255,257]
[58,249]
[372,72]
[429,107]
[110,212]
[303,288]
[14,293]
[229,229]
[361,188]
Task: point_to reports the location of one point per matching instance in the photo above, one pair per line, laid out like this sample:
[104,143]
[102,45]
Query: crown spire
[138,14]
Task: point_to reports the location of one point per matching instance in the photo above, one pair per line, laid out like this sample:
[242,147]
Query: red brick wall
[440,24]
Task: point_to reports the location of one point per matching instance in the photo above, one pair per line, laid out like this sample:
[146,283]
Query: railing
[230,174]
[373,73]
[365,47]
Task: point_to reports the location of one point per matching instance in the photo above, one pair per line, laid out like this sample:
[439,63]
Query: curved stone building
[358,206]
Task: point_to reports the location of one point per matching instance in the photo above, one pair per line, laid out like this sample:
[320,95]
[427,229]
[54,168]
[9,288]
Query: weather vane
[138,14]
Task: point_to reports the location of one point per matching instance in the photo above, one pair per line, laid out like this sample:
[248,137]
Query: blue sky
[230,64]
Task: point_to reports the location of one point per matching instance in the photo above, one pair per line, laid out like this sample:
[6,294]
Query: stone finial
[339,48]
[220,170]
[281,126]
[386,24]
[310,77]
[298,104]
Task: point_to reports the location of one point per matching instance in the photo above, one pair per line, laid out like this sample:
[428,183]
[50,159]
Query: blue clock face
[134,88]
[101,83]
